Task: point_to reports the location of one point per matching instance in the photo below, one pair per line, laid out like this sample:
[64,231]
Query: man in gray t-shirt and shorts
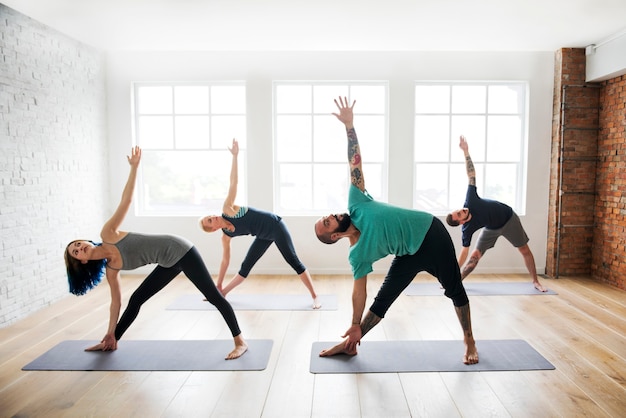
[496,219]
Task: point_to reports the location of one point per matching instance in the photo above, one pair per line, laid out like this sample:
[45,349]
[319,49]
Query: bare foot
[471,354]
[338,349]
[316,304]
[539,287]
[240,348]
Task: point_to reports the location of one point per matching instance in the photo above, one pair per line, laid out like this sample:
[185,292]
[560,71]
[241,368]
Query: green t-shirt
[385,230]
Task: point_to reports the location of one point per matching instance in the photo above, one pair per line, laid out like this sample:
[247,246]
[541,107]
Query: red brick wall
[575,126]
[609,239]
[587,201]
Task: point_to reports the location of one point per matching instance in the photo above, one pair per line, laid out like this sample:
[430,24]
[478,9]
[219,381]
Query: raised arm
[111,227]
[229,202]
[469,165]
[346,116]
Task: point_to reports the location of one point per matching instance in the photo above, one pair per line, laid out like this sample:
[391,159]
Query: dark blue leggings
[194,268]
[285,246]
[437,257]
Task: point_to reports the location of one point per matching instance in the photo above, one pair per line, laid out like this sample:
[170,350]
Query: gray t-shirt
[140,249]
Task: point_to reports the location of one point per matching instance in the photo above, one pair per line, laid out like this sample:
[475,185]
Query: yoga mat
[428,356]
[153,355]
[257,302]
[478,289]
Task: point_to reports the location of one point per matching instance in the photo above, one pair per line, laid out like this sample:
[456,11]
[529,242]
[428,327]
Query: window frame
[141,209]
[454,164]
[383,165]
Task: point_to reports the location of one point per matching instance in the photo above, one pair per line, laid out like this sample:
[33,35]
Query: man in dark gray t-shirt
[495,218]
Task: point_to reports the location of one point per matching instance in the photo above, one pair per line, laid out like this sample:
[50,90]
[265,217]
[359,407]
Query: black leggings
[437,257]
[194,268]
[283,241]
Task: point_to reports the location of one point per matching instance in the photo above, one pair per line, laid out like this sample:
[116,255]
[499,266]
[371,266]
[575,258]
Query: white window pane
[293,99]
[192,132]
[372,138]
[324,96]
[432,99]
[330,142]
[295,186]
[459,182]
[228,99]
[225,128]
[432,138]
[330,188]
[191,100]
[504,138]
[180,181]
[155,100]
[293,138]
[506,99]
[373,174]
[431,187]
[501,183]
[473,127]
[469,99]
[155,132]
[458,185]
[370,99]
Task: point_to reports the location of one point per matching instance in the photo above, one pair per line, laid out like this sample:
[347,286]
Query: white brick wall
[53,162]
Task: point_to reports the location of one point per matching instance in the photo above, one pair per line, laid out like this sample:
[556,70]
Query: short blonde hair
[201,225]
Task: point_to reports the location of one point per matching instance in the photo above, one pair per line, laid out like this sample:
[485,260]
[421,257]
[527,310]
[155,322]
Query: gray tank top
[140,249]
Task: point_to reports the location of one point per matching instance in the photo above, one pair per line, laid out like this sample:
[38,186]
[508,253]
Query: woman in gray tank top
[87,262]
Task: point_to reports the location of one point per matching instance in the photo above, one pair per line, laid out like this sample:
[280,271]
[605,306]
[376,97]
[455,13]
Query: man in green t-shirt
[418,240]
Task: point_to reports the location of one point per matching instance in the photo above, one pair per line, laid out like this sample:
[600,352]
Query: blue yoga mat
[429,356]
[153,355]
[478,289]
[257,302]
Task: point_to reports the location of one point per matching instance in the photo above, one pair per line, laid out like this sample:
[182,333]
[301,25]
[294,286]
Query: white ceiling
[331,25]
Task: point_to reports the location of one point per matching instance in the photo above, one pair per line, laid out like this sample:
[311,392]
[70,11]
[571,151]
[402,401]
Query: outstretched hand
[353,337]
[108,343]
[135,156]
[345,115]
[234,149]
[463,143]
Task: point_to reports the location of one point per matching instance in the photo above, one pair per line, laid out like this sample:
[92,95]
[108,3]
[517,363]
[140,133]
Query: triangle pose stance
[120,250]
[496,219]
[267,227]
[418,240]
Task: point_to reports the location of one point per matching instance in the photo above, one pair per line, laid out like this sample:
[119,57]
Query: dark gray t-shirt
[140,249]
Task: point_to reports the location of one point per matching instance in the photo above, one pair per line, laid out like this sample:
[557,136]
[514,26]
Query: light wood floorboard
[581,331]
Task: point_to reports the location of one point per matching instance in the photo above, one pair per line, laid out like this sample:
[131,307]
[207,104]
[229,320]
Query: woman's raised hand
[135,156]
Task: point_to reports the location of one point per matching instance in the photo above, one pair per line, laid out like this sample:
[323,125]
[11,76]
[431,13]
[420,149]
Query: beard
[344,223]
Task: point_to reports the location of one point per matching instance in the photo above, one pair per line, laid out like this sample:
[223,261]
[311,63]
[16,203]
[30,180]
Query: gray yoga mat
[478,289]
[154,355]
[429,356]
[257,302]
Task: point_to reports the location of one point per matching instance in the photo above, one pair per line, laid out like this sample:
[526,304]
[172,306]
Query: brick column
[575,127]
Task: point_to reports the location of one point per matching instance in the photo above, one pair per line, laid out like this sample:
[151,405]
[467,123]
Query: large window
[310,147]
[184,132]
[492,116]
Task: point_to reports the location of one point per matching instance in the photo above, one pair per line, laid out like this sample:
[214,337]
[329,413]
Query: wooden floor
[580,331]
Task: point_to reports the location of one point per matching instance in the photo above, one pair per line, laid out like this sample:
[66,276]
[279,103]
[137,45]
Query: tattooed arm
[346,116]
[469,165]
[471,264]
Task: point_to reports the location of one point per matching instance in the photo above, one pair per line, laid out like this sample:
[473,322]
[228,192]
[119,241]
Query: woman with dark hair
[268,228]
[86,262]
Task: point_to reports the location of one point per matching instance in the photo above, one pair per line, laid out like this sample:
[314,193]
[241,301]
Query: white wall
[53,162]
[400,69]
